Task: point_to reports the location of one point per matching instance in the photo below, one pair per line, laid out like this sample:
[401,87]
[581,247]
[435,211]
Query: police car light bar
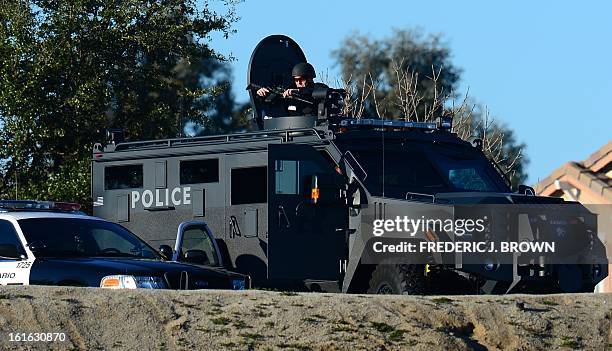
[38,205]
[353,123]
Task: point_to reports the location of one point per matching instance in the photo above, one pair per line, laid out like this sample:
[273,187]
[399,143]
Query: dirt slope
[185,320]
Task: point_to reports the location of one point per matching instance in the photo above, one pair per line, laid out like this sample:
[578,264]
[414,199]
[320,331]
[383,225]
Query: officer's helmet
[303,69]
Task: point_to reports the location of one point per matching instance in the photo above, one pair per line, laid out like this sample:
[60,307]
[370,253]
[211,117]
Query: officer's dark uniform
[303,108]
[297,107]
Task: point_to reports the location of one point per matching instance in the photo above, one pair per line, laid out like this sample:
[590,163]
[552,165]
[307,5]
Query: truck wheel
[404,279]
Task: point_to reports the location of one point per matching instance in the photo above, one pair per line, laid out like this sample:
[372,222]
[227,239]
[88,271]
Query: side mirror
[196,256]
[527,190]
[166,252]
[477,143]
[10,251]
[37,246]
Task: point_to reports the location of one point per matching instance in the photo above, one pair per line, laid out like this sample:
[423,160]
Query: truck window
[467,179]
[123,177]
[294,177]
[199,171]
[286,174]
[404,171]
[466,169]
[10,245]
[197,239]
[249,185]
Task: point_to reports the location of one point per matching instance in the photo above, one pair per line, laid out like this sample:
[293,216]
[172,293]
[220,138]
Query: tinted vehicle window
[199,171]
[10,245]
[466,169]
[80,237]
[294,177]
[197,239]
[399,171]
[425,168]
[286,176]
[467,179]
[123,177]
[249,185]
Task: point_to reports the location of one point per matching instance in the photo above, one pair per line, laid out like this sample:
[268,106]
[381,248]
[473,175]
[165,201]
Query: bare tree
[354,104]
[470,120]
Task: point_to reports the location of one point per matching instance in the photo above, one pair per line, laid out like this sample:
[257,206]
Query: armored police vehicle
[296,204]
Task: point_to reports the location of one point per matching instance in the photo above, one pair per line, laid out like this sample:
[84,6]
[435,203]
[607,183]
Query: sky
[544,68]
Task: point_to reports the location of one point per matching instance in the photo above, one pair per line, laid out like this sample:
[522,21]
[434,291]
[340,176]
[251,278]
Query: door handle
[283,215]
[234,228]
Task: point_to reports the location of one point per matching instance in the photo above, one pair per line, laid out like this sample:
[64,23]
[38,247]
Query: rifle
[276,92]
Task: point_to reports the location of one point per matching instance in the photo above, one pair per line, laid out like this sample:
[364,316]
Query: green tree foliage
[70,69]
[411,76]
[219,111]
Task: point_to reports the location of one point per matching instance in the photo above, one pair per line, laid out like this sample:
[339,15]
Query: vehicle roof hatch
[270,66]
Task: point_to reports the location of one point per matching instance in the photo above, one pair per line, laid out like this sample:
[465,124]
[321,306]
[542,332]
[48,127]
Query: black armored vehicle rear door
[306,238]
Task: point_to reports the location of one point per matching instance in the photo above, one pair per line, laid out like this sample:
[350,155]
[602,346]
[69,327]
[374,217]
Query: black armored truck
[324,202]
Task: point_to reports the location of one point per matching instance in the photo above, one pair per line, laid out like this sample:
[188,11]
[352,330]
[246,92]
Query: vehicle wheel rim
[384,289]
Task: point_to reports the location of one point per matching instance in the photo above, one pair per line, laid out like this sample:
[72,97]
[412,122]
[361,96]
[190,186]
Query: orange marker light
[314,195]
[314,192]
[110,282]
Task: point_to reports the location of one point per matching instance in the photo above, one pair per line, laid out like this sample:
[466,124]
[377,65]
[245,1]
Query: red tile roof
[590,173]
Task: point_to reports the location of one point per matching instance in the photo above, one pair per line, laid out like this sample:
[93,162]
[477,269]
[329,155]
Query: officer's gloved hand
[263,92]
[290,92]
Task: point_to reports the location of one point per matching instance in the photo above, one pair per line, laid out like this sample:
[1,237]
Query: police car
[47,243]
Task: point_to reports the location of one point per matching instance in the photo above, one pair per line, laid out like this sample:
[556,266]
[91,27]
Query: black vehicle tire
[587,288]
[398,279]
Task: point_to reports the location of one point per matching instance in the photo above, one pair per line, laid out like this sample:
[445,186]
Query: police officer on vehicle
[303,77]
[300,92]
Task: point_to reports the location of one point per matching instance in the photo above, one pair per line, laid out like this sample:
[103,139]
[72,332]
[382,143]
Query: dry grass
[214,320]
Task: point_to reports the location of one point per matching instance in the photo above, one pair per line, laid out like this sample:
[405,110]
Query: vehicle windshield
[408,168]
[466,169]
[82,237]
